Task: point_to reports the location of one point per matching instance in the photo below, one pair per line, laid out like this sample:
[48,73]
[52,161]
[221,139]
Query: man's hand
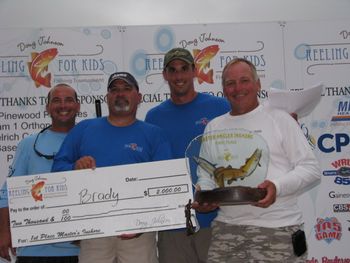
[270,197]
[5,235]
[205,207]
[85,162]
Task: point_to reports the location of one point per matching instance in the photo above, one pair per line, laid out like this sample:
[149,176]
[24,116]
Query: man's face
[63,106]
[179,75]
[240,88]
[122,98]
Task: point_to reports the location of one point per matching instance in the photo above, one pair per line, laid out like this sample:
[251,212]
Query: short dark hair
[61,84]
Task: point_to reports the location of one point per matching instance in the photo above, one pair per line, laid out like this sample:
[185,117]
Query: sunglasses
[46,156]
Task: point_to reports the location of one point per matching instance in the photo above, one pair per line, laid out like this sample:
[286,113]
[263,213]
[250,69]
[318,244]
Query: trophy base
[233,195]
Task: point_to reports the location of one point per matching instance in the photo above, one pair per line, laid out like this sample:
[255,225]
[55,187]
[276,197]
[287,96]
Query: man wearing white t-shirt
[261,232]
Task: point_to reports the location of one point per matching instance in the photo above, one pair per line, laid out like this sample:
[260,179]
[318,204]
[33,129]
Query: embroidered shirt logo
[134,147]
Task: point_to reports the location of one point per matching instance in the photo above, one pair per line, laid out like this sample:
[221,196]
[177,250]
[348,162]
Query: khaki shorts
[115,250]
[177,247]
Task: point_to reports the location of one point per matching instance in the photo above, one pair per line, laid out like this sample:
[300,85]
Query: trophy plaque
[232,163]
[231,195]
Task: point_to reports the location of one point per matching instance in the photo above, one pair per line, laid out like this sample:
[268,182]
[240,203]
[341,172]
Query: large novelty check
[82,204]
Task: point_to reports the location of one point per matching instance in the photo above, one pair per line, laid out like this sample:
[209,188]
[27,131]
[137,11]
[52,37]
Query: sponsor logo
[202,58]
[325,259]
[340,208]
[343,114]
[329,143]
[328,229]
[341,171]
[39,188]
[39,65]
[36,191]
[333,194]
[310,139]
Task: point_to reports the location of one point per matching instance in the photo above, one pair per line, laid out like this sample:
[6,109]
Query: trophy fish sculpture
[236,160]
[229,173]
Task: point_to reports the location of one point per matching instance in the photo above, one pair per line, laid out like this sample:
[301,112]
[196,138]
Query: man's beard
[121,105]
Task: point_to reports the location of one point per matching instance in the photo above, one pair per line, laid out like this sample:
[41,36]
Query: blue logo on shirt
[203,121]
[134,147]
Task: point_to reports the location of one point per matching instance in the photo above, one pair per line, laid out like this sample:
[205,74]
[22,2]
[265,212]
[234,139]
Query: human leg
[140,249]
[201,241]
[232,243]
[176,247]
[101,250]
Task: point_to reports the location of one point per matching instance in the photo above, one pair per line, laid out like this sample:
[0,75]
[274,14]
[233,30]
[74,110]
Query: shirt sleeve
[305,172]
[18,167]
[162,146]
[68,153]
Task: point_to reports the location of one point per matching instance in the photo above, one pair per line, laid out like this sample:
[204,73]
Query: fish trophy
[232,163]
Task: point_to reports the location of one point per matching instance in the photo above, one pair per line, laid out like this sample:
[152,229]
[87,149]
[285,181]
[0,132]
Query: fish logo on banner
[39,66]
[202,60]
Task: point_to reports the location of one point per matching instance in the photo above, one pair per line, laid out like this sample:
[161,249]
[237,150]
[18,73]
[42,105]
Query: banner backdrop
[288,56]
[215,44]
[318,51]
[34,60]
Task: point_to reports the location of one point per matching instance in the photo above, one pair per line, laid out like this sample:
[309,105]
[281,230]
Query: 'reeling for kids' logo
[39,66]
[36,191]
[202,62]
[38,188]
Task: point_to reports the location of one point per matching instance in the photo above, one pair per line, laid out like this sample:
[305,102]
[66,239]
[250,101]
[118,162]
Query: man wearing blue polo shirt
[35,155]
[183,117]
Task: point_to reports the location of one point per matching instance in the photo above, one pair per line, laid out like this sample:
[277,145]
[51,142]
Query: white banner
[288,56]
[34,60]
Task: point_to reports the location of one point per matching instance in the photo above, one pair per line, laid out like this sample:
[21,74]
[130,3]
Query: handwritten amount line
[96,217]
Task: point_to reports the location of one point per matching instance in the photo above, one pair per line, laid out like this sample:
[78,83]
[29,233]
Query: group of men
[165,134]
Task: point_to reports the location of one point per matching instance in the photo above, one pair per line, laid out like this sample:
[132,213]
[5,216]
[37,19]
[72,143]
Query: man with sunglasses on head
[34,155]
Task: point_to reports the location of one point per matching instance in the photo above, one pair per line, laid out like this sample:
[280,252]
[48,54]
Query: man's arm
[19,167]
[5,234]
[306,171]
